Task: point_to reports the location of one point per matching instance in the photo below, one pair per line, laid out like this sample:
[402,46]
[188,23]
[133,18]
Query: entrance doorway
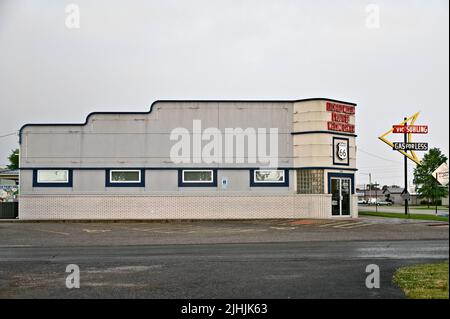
[341,196]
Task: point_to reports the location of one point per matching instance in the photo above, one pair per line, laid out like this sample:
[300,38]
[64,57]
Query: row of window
[136,177]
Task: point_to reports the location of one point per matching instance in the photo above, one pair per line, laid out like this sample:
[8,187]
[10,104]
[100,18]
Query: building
[9,184]
[194,160]
[444,201]
[369,193]
[394,194]
[9,177]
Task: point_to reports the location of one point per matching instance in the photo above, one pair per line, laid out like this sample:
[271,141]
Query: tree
[427,186]
[14,159]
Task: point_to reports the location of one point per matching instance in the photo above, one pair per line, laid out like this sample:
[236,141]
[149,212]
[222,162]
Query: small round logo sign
[342,151]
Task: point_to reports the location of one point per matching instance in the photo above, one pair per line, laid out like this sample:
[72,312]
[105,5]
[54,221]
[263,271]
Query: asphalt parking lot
[214,259]
[197,232]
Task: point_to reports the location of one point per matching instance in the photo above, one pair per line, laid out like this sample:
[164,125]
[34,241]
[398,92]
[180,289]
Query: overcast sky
[126,54]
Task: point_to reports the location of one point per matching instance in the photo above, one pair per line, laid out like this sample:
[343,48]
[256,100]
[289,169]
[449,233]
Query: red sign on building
[340,117]
[340,108]
[414,129]
[341,127]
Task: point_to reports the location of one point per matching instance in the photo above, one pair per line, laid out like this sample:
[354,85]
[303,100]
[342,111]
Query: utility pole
[406,166]
[376,197]
[368,196]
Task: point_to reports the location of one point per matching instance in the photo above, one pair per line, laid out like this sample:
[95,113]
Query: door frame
[341,176]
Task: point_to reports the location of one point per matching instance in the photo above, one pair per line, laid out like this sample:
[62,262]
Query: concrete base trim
[60,207]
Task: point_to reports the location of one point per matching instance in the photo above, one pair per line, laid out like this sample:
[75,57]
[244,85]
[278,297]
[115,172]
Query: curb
[139,220]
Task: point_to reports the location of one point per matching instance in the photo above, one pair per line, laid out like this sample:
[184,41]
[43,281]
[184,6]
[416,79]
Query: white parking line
[348,225]
[141,229]
[96,230]
[283,228]
[332,224]
[357,226]
[52,232]
[169,231]
[14,246]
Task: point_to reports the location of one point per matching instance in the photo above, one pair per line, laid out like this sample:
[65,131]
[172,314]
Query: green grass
[409,216]
[429,281]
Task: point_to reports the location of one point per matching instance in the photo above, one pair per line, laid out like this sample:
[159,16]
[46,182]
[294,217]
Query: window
[269,177]
[310,181]
[125,178]
[52,178]
[197,177]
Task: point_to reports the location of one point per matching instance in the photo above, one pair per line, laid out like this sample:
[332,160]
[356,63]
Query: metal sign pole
[435,195]
[376,197]
[406,166]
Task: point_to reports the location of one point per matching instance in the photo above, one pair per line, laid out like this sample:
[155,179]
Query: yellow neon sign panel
[413,156]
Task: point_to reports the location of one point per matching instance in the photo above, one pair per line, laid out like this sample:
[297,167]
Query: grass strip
[428,281]
[409,216]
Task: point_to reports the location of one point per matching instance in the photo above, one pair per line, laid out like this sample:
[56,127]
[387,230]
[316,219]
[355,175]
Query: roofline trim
[177,101]
[164,168]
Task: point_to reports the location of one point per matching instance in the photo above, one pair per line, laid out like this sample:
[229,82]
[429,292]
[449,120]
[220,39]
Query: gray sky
[126,54]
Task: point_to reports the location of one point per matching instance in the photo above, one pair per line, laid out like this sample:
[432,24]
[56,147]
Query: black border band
[36,183]
[108,182]
[324,132]
[184,184]
[255,184]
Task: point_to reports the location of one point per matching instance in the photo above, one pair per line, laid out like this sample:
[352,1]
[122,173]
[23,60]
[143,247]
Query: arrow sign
[406,195]
[407,122]
[410,129]
[441,174]
[412,146]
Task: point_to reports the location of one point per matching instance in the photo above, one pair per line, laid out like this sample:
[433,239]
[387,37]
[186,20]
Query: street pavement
[214,259]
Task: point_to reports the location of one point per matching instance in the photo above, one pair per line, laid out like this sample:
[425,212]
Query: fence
[9,210]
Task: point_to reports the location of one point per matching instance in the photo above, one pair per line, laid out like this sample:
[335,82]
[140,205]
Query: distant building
[9,177]
[445,201]
[9,184]
[369,193]
[394,195]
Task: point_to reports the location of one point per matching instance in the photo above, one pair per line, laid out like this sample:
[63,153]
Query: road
[215,259]
[247,270]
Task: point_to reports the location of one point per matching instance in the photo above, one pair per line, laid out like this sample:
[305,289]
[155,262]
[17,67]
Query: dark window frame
[36,182]
[109,183]
[341,175]
[269,184]
[182,183]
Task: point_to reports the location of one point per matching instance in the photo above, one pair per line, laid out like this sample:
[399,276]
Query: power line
[377,156]
[9,134]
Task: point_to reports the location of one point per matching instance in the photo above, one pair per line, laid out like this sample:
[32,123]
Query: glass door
[336,196]
[345,196]
[340,196]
